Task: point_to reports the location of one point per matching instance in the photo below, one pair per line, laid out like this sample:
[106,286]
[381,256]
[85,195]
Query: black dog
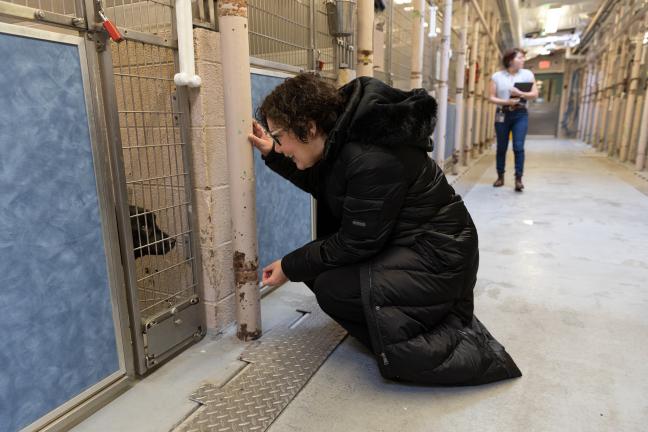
[148,238]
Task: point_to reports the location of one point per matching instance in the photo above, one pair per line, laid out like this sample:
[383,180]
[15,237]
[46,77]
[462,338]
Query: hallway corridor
[562,284]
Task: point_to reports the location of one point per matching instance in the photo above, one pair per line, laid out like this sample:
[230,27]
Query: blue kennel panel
[58,335]
[283,210]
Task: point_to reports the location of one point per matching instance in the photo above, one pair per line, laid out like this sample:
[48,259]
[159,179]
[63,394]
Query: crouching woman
[396,257]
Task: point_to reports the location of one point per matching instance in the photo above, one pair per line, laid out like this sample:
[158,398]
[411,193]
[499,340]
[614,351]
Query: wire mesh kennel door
[150,133]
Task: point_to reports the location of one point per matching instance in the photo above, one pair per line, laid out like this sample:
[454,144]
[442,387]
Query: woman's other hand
[516,93]
[273,275]
[513,102]
[259,139]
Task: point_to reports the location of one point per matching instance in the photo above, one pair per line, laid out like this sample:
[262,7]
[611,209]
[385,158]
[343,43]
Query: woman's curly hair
[299,100]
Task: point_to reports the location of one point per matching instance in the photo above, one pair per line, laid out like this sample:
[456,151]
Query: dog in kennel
[148,238]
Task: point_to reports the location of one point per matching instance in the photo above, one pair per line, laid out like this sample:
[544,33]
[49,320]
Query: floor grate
[280,365]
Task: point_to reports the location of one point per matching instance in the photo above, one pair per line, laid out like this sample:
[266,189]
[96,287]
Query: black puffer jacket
[385,205]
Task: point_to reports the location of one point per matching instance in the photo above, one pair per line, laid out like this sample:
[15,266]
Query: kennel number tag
[111,28]
[499,117]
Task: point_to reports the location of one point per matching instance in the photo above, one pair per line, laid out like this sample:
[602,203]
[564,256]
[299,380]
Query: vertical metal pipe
[632,97]
[585,124]
[390,44]
[580,100]
[365,37]
[643,136]
[460,79]
[416,74]
[486,73]
[598,100]
[605,102]
[636,126]
[479,94]
[233,25]
[312,50]
[470,105]
[443,83]
[564,95]
[618,95]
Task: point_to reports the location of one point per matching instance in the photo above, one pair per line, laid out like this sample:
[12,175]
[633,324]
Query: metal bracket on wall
[29,13]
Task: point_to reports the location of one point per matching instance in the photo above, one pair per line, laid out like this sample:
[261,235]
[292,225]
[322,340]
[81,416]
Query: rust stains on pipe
[245,271]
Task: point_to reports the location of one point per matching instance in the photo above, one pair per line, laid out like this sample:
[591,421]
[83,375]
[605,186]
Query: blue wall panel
[57,331]
[283,210]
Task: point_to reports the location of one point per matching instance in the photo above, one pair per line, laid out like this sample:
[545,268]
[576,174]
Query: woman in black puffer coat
[396,257]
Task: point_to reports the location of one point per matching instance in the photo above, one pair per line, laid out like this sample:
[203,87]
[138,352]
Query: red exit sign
[544,64]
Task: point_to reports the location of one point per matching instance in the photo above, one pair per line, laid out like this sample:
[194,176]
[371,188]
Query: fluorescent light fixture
[645,41]
[432,31]
[408,8]
[401,2]
[552,19]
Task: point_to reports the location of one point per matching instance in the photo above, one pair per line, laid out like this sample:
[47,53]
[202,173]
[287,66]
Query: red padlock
[111,28]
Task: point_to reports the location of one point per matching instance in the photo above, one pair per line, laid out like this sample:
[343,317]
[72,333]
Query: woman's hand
[513,102]
[259,139]
[273,275]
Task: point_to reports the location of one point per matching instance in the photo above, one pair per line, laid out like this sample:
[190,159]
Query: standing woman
[395,261]
[512,115]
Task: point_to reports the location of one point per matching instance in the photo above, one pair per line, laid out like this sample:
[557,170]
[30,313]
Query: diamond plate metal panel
[280,364]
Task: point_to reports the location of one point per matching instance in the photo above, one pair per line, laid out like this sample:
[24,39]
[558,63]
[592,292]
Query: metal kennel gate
[150,129]
[148,133]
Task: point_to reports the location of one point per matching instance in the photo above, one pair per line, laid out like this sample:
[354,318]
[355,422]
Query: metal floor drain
[280,365]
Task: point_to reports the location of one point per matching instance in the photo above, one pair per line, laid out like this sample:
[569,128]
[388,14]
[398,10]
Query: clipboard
[523,86]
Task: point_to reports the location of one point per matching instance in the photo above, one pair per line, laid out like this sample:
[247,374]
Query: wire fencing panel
[157,175]
[401,45]
[64,7]
[280,31]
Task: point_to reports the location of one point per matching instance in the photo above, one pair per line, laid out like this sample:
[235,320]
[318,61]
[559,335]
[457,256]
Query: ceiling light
[552,19]
[432,31]
[408,8]
[401,2]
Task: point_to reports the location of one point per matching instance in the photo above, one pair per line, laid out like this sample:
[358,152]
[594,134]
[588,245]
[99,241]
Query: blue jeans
[518,123]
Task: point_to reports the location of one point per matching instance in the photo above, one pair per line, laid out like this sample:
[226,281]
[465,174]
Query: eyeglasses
[275,135]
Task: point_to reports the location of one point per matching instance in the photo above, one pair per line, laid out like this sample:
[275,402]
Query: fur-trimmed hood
[381,115]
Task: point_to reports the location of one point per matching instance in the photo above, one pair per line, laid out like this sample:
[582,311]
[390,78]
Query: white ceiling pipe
[184,28]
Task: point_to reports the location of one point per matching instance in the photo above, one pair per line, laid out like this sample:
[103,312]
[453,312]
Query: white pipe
[479,95]
[233,24]
[365,38]
[460,78]
[583,116]
[184,28]
[643,137]
[443,83]
[631,98]
[470,108]
[416,76]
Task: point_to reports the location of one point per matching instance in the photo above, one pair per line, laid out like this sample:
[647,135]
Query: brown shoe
[500,181]
[518,184]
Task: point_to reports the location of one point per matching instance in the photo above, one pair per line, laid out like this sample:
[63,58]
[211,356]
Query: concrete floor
[562,284]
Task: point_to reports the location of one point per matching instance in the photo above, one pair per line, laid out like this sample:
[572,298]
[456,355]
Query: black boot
[500,180]
[518,183]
